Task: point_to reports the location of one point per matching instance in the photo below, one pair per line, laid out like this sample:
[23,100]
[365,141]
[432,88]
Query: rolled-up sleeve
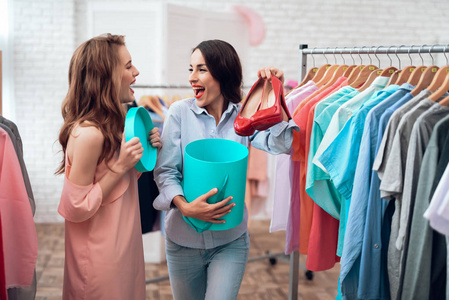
[277,139]
[168,169]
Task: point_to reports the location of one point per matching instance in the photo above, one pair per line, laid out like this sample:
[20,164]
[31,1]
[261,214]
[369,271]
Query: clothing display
[362,174]
[18,230]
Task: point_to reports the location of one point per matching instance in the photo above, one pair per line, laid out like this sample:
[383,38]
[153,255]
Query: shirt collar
[199,110]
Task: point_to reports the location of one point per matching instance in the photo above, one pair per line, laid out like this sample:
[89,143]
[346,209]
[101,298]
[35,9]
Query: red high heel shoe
[271,108]
[242,124]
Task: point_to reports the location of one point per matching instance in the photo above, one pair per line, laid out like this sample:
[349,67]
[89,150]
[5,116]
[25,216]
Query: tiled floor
[262,281]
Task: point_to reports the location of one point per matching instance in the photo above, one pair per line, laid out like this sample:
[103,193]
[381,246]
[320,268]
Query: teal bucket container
[216,163]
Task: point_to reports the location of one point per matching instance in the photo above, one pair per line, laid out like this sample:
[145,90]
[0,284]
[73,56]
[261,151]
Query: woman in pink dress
[99,201]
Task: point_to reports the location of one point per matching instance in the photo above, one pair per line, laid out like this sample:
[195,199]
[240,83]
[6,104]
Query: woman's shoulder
[87,134]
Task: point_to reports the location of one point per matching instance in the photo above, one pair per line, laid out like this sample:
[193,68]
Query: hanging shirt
[291,218]
[390,130]
[394,144]
[14,134]
[318,183]
[18,228]
[340,157]
[362,195]
[420,136]
[426,256]
[322,246]
[343,113]
[373,280]
[299,154]
[438,211]
[282,185]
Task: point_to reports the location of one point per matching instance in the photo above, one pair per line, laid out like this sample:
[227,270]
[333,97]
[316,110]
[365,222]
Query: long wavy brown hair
[93,95]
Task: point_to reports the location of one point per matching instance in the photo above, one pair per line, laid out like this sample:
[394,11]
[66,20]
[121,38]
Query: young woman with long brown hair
[99,202]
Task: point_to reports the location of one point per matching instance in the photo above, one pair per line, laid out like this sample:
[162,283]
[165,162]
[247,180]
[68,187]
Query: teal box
[216,163]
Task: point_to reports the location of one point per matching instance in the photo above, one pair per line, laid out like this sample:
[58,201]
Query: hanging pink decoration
[256,24]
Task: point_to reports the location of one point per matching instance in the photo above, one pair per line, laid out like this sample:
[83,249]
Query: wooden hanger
[320,72]
[416,75]
[442,89]
[438,79]
[310,74]
[363,76]
[425,79]
[445,101]
[354,73]
[374,74]
[327,76]
[349,70]
[388,71]
[339,71]
[404,75]
[394,77]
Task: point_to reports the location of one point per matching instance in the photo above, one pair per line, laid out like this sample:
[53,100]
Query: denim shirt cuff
[164,200]
[277,129]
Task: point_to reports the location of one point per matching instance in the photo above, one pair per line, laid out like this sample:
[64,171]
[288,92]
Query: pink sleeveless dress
[103,239]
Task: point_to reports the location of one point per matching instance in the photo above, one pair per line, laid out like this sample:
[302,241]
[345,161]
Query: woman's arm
[81,198]
[84,149]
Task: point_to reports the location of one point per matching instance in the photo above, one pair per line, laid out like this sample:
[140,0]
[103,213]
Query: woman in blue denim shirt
[210,264]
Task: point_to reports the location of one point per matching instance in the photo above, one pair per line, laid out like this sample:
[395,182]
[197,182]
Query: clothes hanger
[444,101]
[374,74]
[407,71]
[417,73]
[339,71]
[350,67]
[439,78]
[314,74]
[443,88]
[328,74]
[356,71]
[365,72]
[388,71]
[395,75]
[426,77]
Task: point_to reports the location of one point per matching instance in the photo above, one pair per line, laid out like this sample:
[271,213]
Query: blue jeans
[215,273]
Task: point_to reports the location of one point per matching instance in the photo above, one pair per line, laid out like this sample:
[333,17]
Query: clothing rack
[303,52]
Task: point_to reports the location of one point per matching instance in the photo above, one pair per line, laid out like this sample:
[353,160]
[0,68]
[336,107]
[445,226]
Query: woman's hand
[269,71]
[155,138]
[130,153]
[200,209]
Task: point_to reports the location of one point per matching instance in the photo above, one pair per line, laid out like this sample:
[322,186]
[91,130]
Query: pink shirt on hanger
[18,228]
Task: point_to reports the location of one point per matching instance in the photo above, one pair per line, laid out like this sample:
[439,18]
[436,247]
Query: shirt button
[212,131]
[376,246]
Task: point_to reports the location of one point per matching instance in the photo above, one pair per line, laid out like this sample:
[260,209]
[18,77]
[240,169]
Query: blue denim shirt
[185,123]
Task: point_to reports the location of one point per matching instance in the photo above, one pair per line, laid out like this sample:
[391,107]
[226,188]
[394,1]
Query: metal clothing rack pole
[303,52]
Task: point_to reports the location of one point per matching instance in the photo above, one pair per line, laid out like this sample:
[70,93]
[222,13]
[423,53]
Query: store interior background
[38,39]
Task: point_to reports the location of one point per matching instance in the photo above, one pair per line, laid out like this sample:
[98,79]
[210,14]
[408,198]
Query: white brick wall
[46,33]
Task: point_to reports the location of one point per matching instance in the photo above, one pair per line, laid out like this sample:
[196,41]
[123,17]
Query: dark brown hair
[224,65]
[93,95]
